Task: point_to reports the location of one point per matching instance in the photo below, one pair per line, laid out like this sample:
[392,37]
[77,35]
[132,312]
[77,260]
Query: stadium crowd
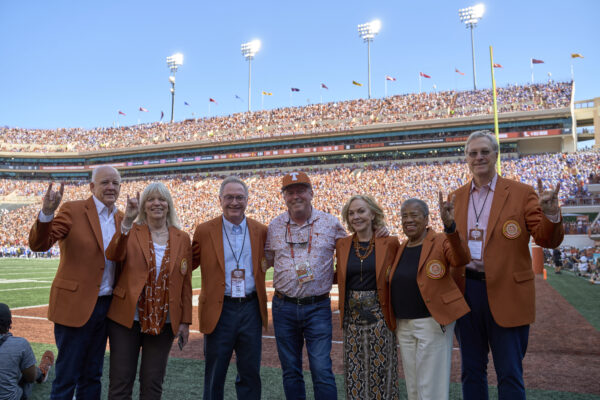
[310,119]
[195,196]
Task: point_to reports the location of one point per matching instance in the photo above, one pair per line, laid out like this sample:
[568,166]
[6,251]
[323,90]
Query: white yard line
[25,288]
[26,307]
[29,317]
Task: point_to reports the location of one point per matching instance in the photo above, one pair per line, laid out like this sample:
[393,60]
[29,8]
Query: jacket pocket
[66,284]
[451,296]
[522,276]
[119,292]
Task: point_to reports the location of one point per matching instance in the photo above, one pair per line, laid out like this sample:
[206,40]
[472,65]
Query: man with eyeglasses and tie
[300,246]
[498,216]
[233,301]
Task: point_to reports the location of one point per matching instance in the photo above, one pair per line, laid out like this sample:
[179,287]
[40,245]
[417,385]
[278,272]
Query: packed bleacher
[196,199]
[310,119]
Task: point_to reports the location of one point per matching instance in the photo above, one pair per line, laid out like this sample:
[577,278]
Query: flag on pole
[121,113]
[267,93]
[295,89]
[458,72]
[324,86]
[498,66]
[212,100]
[162,114]
[142,109]
[424,75]
[186,103]
[356,83]
[536,61]
[389,78]
[576,55]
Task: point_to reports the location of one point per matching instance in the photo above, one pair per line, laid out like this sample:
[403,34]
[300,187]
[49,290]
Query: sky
[74,63]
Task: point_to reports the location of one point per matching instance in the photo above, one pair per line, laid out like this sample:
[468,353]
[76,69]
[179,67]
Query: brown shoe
[45,365]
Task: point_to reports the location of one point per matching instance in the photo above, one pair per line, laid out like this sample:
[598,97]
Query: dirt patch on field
[560,344]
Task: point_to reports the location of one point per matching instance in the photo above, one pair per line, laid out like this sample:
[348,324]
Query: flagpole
[572,73]
[496,130]
[209,108]
[531,71]
[262,101]
[419,83]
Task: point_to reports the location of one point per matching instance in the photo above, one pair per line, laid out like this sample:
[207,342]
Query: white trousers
[426,357]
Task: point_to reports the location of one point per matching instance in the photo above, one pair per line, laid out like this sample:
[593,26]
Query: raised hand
[52,199]
[548,198]
[132,210]
[446,210]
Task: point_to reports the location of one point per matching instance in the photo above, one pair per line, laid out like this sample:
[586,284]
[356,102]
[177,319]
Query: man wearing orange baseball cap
[300,246]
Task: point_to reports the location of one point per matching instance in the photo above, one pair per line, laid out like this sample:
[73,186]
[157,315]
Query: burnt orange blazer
[133,250]
[75,288]
[509,276]
[208,253]
[385,251]
[440,254]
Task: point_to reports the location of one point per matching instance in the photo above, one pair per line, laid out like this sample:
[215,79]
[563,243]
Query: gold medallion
[511,229]
[435,269]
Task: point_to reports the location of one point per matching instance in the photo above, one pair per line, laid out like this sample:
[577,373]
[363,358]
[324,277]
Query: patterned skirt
[370,355]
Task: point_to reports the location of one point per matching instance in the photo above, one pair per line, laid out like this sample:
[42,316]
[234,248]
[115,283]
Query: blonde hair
[375,208]
[161,189]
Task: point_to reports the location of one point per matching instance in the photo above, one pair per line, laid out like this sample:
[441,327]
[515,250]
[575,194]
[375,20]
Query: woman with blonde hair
[152,299]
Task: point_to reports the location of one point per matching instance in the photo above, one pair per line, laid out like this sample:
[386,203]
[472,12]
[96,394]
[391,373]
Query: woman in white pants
[425,301]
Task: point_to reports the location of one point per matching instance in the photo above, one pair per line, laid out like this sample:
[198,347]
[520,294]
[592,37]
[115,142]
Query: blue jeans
[477,333]
[81,355]
[239,329]
[293,325]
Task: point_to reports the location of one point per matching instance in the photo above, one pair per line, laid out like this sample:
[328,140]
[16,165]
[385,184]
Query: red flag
[212,100]
[534,61]
[389,78]
[424,75]
[162,114]
[142,109]
[324,86]
[457,71]
[121,113]
[498,66]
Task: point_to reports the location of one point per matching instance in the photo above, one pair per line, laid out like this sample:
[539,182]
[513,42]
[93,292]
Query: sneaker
[45,365]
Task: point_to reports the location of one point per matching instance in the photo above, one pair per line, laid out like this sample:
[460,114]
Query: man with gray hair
[233,302]
[498,216]
[82,288]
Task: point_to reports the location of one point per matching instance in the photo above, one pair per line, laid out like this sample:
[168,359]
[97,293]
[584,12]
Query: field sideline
[25,286]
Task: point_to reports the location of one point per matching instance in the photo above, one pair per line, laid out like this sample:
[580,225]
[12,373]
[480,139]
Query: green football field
[25,283]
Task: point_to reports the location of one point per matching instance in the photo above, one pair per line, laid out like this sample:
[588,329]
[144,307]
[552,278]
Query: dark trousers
[477,333]
[294,324]
[125,344]
[80,356]
[239,329]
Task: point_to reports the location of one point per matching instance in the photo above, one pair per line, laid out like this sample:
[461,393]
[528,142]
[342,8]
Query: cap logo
[294,176]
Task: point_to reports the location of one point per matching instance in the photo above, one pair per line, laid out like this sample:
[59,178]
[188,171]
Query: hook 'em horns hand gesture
[548,198]
[446,210]
[52,199]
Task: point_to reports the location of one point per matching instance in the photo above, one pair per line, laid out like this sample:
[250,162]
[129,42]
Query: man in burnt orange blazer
[82,288]
[498,216]
[233,302]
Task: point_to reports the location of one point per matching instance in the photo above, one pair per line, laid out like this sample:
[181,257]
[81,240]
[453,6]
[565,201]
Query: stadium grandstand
[393,148]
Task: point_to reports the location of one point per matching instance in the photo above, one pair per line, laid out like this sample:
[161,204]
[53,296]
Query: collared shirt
[107,226]
[242,248]
[326,230]
[482,207]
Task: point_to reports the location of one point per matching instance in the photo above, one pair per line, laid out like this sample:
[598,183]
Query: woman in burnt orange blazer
[370,358]
[425,300]
[152,300]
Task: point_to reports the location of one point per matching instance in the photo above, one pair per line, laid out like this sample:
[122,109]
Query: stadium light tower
[367,32]
[174,62]
[249,50]
[470,16]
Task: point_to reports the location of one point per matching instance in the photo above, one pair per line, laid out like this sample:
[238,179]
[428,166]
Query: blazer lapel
[142,236]
[216,235]
[174,247]
[427,247]
[500,196]
[379,257]
[92,215]
[462,207]
[254,245]
[345,245]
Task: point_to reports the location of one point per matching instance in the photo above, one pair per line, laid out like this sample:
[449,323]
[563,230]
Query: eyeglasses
[229,198]
[484,153]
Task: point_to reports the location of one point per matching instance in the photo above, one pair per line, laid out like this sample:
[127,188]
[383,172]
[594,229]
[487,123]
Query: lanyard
[482,206]
[312,225]
[237,259]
